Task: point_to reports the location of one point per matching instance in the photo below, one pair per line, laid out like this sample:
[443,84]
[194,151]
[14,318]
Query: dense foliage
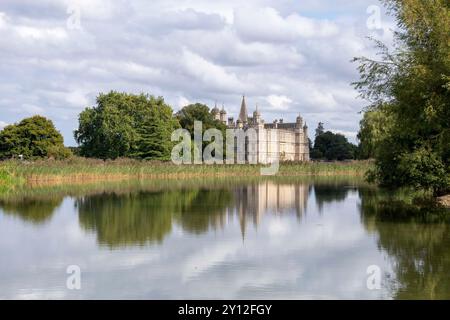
[34,137]
[200,112]
[126,125]
[331,146]
[409,92]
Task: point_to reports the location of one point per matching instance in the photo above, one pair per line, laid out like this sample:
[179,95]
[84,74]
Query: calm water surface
[259,239]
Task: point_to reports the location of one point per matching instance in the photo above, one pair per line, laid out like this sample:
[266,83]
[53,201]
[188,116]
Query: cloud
[209,74]
[3,124]
[267,25]
[289,57]
[279,102]
[30,109]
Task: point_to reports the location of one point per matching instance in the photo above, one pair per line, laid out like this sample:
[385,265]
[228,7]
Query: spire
[256,110]
[243,114]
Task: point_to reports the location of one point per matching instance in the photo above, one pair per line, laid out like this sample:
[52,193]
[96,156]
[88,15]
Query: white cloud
[30,109]
[183,101]
[3,124]
[279,102]
[266,24]
[289,57]
[209,74]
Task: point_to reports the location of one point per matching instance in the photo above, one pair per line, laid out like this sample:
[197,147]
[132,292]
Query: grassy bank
[81,170]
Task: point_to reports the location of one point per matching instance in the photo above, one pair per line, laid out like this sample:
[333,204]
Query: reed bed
[78,169]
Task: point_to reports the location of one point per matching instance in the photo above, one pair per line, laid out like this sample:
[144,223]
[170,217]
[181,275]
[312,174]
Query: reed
[79,169]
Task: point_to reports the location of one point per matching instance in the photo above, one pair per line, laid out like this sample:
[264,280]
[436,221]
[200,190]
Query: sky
[289,57]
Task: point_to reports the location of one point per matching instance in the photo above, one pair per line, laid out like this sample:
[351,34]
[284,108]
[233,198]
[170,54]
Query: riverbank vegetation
[82,169]
[406,126]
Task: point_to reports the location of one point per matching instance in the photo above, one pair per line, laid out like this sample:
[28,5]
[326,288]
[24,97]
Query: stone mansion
[287,140]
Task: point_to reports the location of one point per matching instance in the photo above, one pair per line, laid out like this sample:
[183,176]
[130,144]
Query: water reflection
[254,239]
[417,242]
[147,217]
[35,211]
[251,202]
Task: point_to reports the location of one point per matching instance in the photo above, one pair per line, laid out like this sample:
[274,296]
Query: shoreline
[79,170]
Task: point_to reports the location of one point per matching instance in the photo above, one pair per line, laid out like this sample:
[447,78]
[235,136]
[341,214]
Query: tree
[200,112]
[34,137]
[411,86]
[373,129]
[126,125]
[331,146]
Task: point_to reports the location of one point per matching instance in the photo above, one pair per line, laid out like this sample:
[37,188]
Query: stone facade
[266,141]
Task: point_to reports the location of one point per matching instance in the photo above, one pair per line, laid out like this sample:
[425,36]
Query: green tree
[411,85]
[200,112]
[374,127]
[332,146]
[126,125]
[34,137]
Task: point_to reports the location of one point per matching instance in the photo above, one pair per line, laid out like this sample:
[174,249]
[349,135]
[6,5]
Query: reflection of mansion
[287,140]
[253,201]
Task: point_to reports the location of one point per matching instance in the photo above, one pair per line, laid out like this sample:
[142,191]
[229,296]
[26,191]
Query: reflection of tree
[419,248]
[128,219]
[139,218]
[326,193]
[36,211]
[206,210]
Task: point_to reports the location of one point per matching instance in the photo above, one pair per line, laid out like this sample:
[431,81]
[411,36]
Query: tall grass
[82,169]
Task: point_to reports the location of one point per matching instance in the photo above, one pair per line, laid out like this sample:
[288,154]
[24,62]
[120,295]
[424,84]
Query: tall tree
[331,146]
[34,137]
[200,112]
[126,125]
[373,129]
[411,85]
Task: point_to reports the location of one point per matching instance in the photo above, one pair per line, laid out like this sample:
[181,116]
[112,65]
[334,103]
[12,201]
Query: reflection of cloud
[320,256]
[202,261]
[278,228]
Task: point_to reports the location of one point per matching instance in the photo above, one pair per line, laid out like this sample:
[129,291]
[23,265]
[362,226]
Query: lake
[286,238]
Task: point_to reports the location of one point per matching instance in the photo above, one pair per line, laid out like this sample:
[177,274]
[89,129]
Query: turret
[223,115]
[256,116]
[299,122]
[215,112]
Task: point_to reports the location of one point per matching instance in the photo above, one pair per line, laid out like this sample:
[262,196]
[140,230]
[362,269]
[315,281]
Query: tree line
[406,126]
[134,126]
[119,125]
